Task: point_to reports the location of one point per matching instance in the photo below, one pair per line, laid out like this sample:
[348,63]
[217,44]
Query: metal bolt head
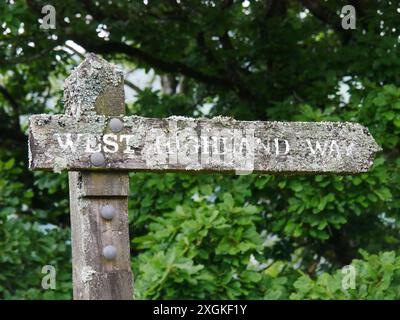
[107,212]
[110,252]
[97,159]
[116,125]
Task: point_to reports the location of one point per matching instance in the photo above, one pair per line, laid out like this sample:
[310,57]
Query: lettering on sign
[185,144]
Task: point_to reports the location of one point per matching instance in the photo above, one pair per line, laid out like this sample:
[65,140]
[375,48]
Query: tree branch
[132,86]
[15,133]
[322,12]
[7,95]
[110,47]
[163,66]
[126,82]
[276,8]
[174,67]
[27,58]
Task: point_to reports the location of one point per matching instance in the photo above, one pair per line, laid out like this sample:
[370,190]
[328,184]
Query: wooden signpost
[98,145]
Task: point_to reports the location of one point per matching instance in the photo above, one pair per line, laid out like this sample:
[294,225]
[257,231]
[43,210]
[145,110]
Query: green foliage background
[213,236]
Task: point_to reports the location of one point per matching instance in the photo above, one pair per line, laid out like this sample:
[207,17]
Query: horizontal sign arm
[62,142]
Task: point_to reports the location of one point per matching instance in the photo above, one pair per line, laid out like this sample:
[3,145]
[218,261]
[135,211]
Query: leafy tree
[379,277]
[203,236]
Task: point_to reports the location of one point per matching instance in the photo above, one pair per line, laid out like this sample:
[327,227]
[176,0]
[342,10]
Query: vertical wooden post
[96,88]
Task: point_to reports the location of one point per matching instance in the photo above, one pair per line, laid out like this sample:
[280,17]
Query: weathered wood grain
[94,277]
[94,97]
[96,87]
[117,185]
[187,144]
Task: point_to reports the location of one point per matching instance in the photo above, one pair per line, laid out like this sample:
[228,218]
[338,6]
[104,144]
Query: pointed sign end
[377,148]
[374,146]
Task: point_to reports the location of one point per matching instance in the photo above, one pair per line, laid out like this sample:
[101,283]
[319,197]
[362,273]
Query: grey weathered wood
[94,277]
[96,87]
[345,147]
[117,184]
[94,97]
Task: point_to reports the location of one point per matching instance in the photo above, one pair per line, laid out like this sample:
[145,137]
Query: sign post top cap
[92,79]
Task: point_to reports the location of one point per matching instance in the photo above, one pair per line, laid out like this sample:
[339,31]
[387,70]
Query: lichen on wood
[93,92]
[93,81]
[188,144]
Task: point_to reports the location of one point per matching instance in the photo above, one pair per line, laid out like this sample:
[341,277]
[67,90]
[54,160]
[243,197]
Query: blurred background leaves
[213,236]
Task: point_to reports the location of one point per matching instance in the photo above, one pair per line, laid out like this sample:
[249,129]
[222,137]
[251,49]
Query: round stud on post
[97,159]
[116,125]
[107,212]
[110,252]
